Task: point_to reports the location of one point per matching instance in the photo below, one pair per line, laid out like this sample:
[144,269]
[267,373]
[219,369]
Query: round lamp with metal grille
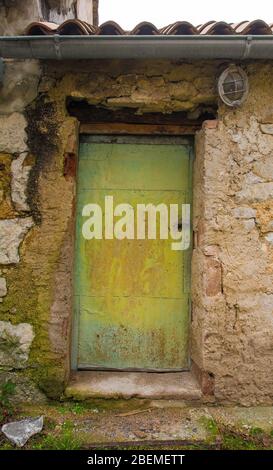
[233,86]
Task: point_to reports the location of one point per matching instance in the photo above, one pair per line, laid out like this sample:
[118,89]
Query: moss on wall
[226,328]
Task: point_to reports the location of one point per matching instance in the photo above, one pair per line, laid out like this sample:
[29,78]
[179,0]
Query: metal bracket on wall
[2,70]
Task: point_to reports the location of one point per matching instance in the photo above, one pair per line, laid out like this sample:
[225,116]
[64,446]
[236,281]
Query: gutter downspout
[194,47]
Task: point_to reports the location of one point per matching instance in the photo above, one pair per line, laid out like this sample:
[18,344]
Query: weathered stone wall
[232,334]
[233,291]
[19,89]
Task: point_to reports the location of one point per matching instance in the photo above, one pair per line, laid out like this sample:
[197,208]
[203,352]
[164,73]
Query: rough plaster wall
[17,332]
[233,291]
[16,15]
[57,11]
[232,261]
[86,10]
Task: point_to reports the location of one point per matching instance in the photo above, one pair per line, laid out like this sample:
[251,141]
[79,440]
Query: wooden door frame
[116,128]
[138,130]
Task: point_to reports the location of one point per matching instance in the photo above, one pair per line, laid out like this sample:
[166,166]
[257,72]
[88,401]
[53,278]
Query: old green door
[131,295]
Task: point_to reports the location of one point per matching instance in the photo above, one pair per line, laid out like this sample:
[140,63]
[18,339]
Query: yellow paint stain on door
[131,296]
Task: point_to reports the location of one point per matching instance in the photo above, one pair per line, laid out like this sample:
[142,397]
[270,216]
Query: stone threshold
[123,385]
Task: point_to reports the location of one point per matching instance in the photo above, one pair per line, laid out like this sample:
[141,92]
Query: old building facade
[45,108]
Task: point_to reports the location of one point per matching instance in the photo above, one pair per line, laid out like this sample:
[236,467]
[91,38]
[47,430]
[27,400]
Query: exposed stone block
[251,178]
[264,168]
[269,237]
[19,86]
[267,128]
[3,287]
[249,225]
[255,193]
[262,342]
[12,133]
[182,90]
[26,391]
[211,250]
[212,277]
[12,233]
[242,212]
[15,342]
[211,124]
[20,172]
[264,216]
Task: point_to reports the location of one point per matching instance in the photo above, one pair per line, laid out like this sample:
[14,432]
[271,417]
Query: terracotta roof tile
[145,29]
[180,27]
[215,27]
[78,27]
[109,28]
[41,28]
[252,27]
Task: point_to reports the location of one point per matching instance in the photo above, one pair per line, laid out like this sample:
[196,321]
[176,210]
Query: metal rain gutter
[137,47]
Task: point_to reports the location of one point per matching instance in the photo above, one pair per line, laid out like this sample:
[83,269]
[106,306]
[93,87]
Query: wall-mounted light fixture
[233,86]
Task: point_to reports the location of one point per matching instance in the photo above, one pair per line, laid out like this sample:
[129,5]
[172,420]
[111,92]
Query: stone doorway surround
[125,385]
[179,385]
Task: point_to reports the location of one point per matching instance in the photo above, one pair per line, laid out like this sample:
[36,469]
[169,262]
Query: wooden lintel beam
[137,129]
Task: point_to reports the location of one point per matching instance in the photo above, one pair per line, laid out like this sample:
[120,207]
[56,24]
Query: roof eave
[195,47]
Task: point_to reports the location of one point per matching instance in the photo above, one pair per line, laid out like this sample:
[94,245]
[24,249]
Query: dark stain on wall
[42,131]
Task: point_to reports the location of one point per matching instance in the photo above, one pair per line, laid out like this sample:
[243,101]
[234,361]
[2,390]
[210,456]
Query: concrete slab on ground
[97,384]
